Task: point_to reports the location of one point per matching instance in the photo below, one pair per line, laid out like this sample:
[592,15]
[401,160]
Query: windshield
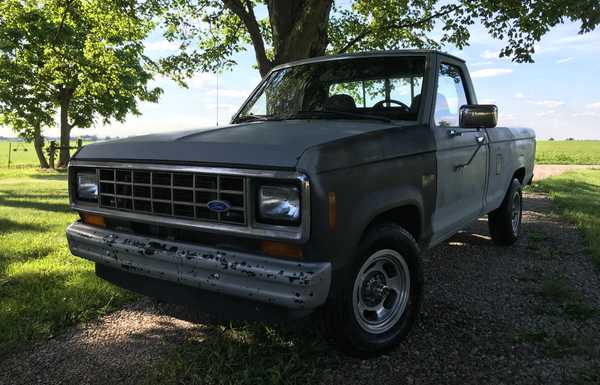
[376,87]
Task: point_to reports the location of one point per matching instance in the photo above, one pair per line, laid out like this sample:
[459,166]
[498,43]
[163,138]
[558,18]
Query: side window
[450,96]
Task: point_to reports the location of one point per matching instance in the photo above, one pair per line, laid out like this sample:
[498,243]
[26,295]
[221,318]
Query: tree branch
[62,21]
[246,13]
[364,34]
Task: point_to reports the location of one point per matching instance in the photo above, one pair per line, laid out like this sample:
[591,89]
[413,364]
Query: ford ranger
[333,177]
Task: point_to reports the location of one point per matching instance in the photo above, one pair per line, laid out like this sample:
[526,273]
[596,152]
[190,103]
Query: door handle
[479,140]
[453,133]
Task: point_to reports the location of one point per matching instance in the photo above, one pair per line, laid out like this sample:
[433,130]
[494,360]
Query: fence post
[9,152]
[52,153]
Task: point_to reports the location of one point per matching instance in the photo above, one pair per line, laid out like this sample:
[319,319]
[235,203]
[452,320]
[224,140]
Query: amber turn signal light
[94,220]
[279,249]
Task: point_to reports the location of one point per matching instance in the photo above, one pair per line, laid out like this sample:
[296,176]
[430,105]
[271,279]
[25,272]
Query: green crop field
[43,288]
[568,152]
[22,155]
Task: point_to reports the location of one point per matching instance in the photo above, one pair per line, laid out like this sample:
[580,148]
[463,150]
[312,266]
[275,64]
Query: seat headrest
[340,102]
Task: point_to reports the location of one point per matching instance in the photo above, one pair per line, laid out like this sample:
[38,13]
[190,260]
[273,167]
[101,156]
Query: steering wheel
[381,104]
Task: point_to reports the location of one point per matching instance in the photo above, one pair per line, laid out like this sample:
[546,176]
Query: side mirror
[478,116]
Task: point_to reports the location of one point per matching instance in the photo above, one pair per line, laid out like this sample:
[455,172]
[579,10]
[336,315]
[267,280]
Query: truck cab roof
[367,54]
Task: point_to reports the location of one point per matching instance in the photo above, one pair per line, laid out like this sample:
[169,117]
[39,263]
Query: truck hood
[272,144]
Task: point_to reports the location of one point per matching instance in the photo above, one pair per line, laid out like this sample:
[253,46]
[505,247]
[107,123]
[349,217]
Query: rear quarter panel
[511,149]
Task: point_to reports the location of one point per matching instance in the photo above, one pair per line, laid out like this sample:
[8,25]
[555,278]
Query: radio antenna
[217,98]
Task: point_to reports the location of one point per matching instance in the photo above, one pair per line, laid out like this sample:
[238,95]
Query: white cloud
[519,95]
[595,106]
[225,110]
[490,72]
[487,101]
[572,41]
[231,92]
[546,113]
[160,45]
[576,39]
[481,63]
[489,54]
[506,119]
[202,81]
[565,60]
[552,104]
[591,114]
[221,106]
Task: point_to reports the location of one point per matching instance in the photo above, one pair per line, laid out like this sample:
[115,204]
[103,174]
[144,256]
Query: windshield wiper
[252,118]
[336,115]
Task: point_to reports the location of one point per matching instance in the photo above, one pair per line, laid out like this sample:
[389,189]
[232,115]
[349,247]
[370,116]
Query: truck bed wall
[511,149]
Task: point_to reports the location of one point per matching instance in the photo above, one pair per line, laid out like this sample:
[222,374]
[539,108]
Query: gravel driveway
[491,315]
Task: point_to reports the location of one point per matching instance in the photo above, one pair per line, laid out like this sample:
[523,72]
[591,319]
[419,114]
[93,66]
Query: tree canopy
[211,31]
[83,58]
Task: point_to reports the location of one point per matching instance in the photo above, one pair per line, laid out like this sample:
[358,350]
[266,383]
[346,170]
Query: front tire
[505,221]
[381,299]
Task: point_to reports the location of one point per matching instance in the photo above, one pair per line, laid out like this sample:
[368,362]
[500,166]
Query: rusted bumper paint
[294,285]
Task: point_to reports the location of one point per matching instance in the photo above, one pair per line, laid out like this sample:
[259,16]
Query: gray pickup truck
[332,178]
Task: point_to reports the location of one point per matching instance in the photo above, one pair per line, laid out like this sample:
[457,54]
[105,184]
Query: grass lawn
[577,196]
[568,152]
[43,288]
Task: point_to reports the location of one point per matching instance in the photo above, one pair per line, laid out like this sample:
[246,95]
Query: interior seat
[340,102]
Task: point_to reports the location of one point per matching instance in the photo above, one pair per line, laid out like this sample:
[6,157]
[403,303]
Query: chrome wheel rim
[516,213]
[381,291]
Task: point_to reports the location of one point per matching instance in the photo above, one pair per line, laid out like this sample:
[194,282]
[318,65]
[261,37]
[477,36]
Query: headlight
[279,204]
[87,187]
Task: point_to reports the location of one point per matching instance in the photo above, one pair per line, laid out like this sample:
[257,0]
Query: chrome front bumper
[294,285]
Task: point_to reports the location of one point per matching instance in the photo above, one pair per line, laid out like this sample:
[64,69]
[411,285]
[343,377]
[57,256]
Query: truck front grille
[174,194]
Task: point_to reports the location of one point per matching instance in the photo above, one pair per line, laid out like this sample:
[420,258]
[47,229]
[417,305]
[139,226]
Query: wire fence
[16,154]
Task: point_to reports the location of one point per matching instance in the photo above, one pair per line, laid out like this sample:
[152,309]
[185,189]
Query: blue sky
[558,95]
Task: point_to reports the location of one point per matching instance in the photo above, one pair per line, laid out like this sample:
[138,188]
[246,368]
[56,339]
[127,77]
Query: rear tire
[505,221]
[381,298]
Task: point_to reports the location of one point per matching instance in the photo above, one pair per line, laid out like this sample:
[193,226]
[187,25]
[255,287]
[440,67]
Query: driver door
[462,156]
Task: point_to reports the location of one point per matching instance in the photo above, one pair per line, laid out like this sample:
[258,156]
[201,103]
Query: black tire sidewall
[358,341]
[517,191]
[500,220]
[507,208]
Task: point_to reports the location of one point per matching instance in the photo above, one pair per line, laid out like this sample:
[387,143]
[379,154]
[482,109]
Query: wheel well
[520,175]
[408,217]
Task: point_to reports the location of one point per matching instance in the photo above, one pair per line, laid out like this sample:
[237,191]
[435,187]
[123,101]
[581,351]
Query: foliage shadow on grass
[24,255]
[9,226]
[28,204]
[62,176]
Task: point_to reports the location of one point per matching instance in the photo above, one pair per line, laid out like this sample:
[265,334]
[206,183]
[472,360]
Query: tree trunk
[299,28]
[65,128]
[38,144]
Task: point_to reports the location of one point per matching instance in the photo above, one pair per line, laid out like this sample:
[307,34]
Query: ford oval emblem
[218,206]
